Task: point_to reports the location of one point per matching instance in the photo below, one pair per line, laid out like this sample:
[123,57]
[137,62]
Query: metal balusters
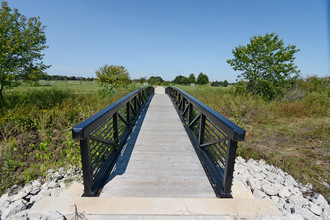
[209,132]
[103,135]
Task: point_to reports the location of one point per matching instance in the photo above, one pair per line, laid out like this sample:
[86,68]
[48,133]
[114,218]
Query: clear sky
[171,37]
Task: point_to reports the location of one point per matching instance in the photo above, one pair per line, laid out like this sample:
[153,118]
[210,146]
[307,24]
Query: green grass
[292,134]
[76,86]
[35,127]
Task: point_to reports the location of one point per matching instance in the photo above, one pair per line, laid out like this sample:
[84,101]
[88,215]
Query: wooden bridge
[160,154]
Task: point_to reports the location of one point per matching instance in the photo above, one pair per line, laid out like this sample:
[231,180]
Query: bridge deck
[159,159]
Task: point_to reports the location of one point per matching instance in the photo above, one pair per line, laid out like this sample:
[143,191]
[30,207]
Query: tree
[21,43]
[142,80]
[182,80]
[202,79]
[155,80]
[192,78]
[114,76]
[267,65]
[225,83]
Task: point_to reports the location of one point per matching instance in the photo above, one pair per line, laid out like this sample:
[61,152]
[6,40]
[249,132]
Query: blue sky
[171,37]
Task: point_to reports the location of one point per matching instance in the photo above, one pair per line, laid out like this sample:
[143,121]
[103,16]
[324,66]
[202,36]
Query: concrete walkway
[160,160]
[152,208]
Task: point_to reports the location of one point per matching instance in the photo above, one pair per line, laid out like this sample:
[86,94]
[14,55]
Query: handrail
[103,135]
[214,138]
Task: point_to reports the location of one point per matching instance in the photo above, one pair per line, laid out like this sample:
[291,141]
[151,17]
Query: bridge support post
[115,127]
[190,113]
[202,129]
[86,166]
[230,162]
[128,113]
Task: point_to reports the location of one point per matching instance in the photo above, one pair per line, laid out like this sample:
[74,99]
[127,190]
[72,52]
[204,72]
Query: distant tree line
[202,79]
[220,83]
[63,78]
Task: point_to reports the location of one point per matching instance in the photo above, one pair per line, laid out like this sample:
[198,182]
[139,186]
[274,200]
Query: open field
[35,127]
[291,134]
[77,86]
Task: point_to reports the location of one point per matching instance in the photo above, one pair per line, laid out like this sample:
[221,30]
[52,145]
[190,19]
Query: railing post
[135,104]
[139,95]
[115,127]
[128,112]
[183,104]
[190,113]
[229,169]
[86,166]
[201,129]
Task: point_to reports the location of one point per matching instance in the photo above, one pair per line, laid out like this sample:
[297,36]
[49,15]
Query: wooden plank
[159,159]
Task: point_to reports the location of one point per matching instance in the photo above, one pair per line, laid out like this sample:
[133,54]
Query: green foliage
[192,78]
[114,76]
[35,131]
[220,83]
[315,84]
[155,80]
[142,80]
[292,134]
[182,80]
[267,65]
[202,79]
[21,43]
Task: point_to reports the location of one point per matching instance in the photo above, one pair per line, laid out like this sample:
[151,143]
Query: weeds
[292,133]
[35,130]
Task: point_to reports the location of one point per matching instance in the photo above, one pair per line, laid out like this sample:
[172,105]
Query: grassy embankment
[292,134]
[35,127]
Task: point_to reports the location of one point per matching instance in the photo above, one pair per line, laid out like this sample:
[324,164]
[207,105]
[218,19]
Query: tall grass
[292,133]
[35,130]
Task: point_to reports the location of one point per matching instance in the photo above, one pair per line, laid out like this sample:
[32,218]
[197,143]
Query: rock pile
[293,199]
[15,203]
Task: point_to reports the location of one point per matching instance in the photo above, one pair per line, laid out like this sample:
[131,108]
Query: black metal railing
[213,136]
[103,135]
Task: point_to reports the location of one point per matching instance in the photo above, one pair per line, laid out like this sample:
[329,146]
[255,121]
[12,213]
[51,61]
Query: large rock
[254,184]
[53,215]
[285,192]
[270,189]
[298,201]
[52,184]
[305,212]
[22,215]
[20,195]
[13,209]
[4,203]
[274,178]
[290,181]
[294,216]
[259,194]
[318,199]
[317,210]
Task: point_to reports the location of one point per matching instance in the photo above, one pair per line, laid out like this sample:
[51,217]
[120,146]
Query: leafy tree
[225,83]
[142,79]
[114,76]
[266,64]
[155,80]
[202,79]
[192,78]
[21,43]
[182,80]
